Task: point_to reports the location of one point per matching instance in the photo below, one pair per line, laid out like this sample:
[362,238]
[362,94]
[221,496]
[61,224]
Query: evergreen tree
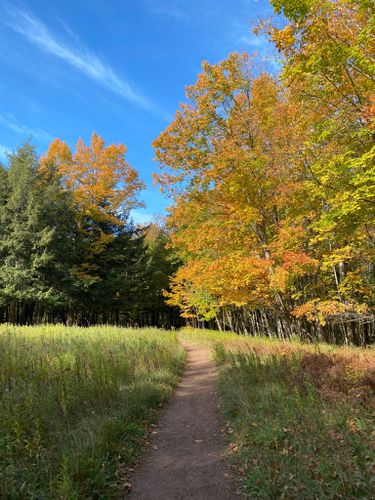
[16,280]
[60,261]
[39,240]
[56,243]
[162,263]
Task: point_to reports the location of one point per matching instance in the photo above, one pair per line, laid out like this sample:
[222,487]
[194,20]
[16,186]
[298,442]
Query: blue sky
[116,67]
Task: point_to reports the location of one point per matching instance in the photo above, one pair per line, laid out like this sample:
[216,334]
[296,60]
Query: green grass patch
[207,337]
[287,439]
[76,405]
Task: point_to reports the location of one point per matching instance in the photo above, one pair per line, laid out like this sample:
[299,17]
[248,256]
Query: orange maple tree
[104,185]
[273,181]
[104,188]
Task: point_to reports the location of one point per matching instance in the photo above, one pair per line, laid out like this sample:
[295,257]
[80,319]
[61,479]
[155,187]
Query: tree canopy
[68,249]
[273,180]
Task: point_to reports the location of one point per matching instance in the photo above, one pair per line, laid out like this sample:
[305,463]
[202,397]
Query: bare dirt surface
[187,457]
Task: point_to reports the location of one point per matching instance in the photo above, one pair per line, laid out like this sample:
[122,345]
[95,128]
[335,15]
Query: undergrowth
[75,406]
[302,423]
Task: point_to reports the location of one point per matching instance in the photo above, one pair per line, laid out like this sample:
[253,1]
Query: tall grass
[75,406]
[207,337]
[299,430]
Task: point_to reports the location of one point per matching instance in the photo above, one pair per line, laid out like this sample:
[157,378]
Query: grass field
[301,417]
[76,405]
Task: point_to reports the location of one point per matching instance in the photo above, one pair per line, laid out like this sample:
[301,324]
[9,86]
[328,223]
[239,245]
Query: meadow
[77,404]
[301,418]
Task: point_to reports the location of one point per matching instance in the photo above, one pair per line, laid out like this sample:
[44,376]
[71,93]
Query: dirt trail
[188,456]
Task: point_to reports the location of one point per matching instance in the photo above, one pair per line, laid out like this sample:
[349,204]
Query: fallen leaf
[127,487]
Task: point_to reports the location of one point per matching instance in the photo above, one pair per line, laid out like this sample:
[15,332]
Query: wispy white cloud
[78,56]
[9,121]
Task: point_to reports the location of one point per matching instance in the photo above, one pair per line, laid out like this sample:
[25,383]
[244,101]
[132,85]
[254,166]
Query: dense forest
[68,250]
[271,229]
[273,181]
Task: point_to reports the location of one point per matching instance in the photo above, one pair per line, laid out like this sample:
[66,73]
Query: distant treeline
[68,252]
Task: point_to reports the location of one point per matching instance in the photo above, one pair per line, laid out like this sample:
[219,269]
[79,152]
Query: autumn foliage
[273,181]
[69,251]
[103,183]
